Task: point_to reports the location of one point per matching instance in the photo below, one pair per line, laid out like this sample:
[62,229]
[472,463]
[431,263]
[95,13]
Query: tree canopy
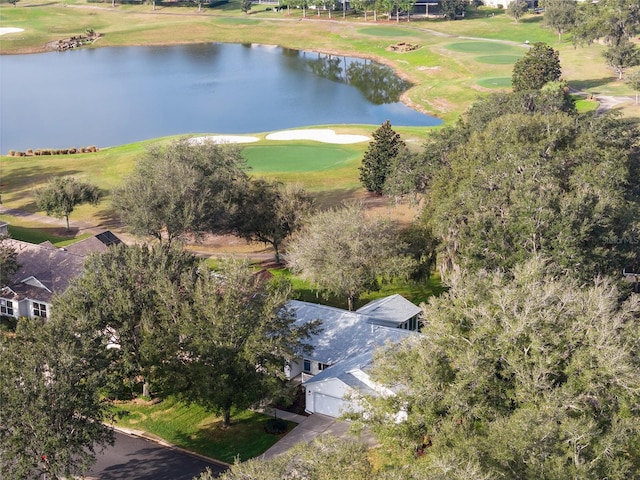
[50,380]
[541,64]
[320,459]
[343,253]
[517,8]
[531,184]
[521,374]
[235,337]
[182,188]
[560,15]
[8,262]
[270,212]
[63,194]
[614,22]
[386,144]
[131,293]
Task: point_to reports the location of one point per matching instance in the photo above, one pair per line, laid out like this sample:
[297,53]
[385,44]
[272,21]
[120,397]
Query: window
[6,307]
[322,366]
[39,309]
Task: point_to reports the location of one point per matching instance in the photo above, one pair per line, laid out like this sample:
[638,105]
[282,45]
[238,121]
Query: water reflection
[378,83]
[112,96]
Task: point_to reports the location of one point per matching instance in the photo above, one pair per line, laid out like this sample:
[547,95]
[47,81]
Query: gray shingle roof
[393,309]
[53,268]
[344,334]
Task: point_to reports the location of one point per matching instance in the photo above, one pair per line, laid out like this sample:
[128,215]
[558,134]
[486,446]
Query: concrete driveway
[310,428]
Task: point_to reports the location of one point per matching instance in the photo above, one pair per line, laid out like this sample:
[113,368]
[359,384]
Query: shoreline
[401,73]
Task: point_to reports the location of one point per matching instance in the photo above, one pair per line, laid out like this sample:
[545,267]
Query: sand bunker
[223,139]
[324,135]
[5,30]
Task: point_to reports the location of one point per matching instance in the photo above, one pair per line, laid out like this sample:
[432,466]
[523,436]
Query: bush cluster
[275,426]
[52,151]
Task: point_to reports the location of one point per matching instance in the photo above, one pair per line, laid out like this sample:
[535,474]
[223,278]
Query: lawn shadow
[21,178]
[39,235]
[533,19]
[107,218]
[592,83]
[335,198]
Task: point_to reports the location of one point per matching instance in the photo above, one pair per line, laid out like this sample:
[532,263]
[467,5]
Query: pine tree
[376,162]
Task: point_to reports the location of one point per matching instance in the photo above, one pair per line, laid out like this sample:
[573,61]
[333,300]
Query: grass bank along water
[444,83]
[113,96]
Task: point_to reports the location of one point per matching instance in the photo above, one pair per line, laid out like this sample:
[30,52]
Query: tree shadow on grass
[532,19]
[591,83]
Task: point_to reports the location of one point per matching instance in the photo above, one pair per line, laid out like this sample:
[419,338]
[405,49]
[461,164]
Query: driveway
[310,428]
[138,458]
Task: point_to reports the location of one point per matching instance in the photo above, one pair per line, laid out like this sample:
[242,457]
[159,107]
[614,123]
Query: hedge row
[53,151]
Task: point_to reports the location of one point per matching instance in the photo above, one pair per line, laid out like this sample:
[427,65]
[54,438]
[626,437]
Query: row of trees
[139,314]
[528,366]
[522,174]
[613,22]
[182,190]
[386,7]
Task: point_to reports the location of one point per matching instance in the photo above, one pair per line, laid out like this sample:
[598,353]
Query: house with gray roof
[44,271]
[335,373]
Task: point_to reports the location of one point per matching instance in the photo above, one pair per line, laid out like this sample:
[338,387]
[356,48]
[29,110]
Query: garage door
[327,405]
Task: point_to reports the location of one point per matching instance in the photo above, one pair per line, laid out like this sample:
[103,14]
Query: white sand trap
[324,135]
[223,139]
[5,30]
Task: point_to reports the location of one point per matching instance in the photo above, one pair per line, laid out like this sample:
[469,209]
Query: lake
[112,96]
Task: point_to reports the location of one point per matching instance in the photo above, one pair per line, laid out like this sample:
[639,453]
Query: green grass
[384,31]
[480,47]
[584,106]
[195,429]
[298,158]
[416,292]
[40,234]
[499,82]
[498,59]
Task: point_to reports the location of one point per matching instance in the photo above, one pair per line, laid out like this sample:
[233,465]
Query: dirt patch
[403,47]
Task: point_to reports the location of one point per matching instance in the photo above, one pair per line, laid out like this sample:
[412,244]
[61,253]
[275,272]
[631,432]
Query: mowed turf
[497,82]
[298,158]
[498,59]
[482,47]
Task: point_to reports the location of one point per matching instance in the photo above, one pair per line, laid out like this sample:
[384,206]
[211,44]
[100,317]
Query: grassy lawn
[466,59]
[416,292]
[193,428]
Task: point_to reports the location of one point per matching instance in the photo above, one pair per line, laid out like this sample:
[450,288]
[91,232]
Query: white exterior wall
[335,390]
[293,369]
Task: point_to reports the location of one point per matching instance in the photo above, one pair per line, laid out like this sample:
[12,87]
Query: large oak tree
[51,413]
[343,253]
[235,338]
[520,374]
[182,188]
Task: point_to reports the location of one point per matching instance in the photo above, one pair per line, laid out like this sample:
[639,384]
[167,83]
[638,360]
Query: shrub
[7,323]
[275,426]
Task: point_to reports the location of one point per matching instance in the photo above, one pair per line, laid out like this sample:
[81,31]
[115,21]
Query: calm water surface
[113,96]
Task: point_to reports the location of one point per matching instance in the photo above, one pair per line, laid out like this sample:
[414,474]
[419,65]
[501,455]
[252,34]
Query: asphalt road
[134,458]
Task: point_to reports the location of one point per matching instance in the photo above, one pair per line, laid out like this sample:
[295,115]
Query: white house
[44,271]
[335,372]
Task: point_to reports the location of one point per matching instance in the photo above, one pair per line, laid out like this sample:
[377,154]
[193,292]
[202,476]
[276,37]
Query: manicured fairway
[387,32]
[498,59]
[497,82]
[482,47]
[297,158]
